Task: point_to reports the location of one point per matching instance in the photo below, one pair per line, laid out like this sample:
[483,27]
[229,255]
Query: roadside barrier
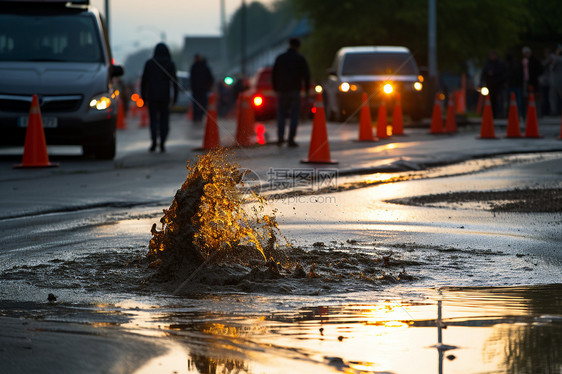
[436,117]
[319,149]
[211,138]
[35,146]
[487,125]
[245,122]
[397,119]
[532,126]
[365,122]
[451,121]
[513,126]
[381,121]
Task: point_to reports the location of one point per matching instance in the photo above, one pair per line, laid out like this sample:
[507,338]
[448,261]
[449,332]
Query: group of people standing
[522,76]
[159,89]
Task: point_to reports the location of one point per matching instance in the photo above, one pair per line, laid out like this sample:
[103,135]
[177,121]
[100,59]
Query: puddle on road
[481,330]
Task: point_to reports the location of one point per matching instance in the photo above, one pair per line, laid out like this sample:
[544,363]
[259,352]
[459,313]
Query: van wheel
[101,151]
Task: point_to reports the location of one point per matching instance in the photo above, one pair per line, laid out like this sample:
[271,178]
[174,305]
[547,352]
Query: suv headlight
[101,102]
[344,87]
[418,86]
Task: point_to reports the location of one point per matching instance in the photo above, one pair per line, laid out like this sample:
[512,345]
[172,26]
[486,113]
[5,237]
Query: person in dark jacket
[514,79]
[493,77]
[201,83]
[158,78]
[532,69]
[290,72]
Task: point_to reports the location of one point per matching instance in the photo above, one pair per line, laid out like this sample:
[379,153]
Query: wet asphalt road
[86,211]
[50,208]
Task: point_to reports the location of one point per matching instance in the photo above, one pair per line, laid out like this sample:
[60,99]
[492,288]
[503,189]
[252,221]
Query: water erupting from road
[208,221]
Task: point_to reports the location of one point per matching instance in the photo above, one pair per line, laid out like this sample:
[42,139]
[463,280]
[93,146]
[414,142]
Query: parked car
[378,71]
[58,50]
[264,99]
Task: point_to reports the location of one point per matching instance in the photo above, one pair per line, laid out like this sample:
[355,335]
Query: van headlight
[387,88]
[100,102]
[418,86]
[344,87]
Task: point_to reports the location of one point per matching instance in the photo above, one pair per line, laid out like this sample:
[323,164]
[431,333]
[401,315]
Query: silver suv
[58,50]
[378,71]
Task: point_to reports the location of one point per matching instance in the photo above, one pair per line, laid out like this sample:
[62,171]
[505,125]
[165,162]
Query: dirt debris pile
[208,221]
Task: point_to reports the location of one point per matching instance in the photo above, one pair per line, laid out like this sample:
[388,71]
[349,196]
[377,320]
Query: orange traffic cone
[35,146]
[365,122]
[245,122]
[451,121]
[487,125]
[532,126]
[397,120]
[319,150]
[121,125]
[436,117]
[381,122]
[513,127]
[211,138]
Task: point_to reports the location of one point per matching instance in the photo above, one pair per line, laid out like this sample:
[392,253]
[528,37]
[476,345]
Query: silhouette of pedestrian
[201,83]
[514,78]
[158,77]
[290,71]
[556,80]
[532,69]
[493,77]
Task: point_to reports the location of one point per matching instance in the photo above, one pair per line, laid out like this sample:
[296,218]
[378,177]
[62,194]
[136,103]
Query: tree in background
[465,29]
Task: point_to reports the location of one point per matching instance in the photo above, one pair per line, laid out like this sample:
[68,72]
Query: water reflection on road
[481,330]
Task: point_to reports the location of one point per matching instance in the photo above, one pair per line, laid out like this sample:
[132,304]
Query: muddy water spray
[210,220]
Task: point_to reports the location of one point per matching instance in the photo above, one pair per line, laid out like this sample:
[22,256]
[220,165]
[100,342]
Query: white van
[58,50]
[379,71]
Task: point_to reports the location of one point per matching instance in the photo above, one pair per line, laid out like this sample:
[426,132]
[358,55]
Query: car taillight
[258,100]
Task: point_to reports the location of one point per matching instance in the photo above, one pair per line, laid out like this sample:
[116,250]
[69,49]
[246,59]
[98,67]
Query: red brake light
[258,100]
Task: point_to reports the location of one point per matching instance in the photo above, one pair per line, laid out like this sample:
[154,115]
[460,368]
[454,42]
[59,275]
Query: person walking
[532,69]
[514,79]
[493,77]
[201,83]
[158,78]
[544,82]
[290,72]
[556,81]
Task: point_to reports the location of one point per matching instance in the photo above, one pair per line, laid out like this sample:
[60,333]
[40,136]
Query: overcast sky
[135,24]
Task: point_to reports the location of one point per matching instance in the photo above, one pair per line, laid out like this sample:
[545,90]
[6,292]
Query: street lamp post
[107,18]
[243,39]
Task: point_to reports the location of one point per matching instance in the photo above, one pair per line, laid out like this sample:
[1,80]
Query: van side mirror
[116,70]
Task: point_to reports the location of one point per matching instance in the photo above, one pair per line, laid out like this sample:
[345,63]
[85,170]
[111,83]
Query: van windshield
[379,63]
[34,37]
